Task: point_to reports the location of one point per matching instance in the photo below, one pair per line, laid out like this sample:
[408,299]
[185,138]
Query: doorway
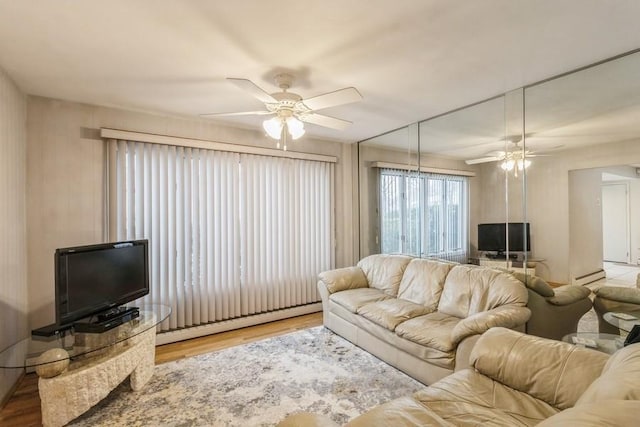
[615,222]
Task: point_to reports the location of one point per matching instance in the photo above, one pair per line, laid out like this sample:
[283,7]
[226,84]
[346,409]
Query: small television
[493,237]
[98,278]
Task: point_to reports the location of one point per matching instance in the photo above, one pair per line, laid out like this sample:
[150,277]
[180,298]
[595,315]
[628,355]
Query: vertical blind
[230,234]
[424,214]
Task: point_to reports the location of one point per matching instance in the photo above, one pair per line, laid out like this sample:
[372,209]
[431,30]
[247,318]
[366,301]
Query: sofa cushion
[423,281]
[353,299]
[471,289]
[342,279]
[384,272]
[431,330]
[390,312]
[441,359]
[468,398]
[556,372]
[620,378]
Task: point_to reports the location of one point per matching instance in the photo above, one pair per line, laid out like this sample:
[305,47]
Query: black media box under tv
[50,330]
[109,323]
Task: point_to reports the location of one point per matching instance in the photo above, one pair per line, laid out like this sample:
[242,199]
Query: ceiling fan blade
[253,89]
[326,121]
[332,99]
[483,160]
[240,113]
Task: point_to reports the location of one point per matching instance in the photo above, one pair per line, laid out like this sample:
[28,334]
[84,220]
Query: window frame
[444,204]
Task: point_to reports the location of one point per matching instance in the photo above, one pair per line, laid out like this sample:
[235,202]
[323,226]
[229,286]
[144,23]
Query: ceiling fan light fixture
[295,127]
[523,164]
[507,165]
[273,127]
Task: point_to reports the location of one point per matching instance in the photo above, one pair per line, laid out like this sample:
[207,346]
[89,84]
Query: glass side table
[621,321]
[606,343]
[77,370]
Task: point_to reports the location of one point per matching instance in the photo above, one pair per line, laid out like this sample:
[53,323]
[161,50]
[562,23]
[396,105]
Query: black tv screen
[91,279]
[493,237]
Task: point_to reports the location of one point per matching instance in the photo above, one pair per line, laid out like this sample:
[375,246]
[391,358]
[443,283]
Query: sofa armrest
[505,316]
[569,294]
[616,293]
[534,283]
[342,279]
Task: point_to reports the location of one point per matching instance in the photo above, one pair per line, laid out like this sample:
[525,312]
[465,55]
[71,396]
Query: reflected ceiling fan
[514,159]
[290,110]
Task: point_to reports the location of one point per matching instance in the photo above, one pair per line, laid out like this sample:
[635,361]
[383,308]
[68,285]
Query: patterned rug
[588,322]
[257,384]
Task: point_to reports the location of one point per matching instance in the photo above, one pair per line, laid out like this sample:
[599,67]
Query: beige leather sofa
[616,299]
[554,312]
[517,380]
[422,316]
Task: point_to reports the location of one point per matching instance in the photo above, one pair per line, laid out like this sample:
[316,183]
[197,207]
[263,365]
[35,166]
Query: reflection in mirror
[518,150]
[425,188]
[516,164]
[455,149]
[577,124]
[381,197]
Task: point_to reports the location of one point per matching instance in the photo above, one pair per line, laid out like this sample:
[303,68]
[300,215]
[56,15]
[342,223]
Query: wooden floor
[23,409]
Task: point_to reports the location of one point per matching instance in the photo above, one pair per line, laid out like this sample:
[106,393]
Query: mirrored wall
[585,128]
[516,180]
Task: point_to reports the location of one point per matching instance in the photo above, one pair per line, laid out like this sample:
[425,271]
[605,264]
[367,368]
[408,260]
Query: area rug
[257,384]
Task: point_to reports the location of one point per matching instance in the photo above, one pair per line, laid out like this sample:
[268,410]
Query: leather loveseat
[517,380]
[555,312]
[422,316]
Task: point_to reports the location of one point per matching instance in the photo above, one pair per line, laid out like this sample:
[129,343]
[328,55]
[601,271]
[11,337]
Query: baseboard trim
[589,278]
[12,389]
[241,322]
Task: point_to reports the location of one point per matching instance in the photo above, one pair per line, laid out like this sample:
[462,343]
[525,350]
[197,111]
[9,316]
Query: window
[423,214]
[230,234]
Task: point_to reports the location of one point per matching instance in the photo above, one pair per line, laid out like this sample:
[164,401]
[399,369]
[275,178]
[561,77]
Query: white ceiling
[410,59]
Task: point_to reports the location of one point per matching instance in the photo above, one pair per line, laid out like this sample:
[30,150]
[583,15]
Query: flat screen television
[98,278]
[493,237]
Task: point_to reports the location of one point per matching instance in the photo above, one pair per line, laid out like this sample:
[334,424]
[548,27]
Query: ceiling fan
[515,159]
[290,110]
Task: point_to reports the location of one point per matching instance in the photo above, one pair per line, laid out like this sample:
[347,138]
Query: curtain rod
[404,166]
[210,145]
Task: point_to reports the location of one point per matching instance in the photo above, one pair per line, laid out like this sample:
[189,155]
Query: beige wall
[66,180]
[634,219]
[585,222]
[13,243]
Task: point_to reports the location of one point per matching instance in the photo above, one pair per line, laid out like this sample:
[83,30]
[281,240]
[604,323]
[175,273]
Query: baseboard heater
[589,278]
[237,323]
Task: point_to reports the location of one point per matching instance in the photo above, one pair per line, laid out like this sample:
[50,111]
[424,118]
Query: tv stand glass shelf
[81,346]
[77,370]
[528,267]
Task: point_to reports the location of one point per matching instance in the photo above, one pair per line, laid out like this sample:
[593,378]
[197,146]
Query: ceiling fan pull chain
[285,130]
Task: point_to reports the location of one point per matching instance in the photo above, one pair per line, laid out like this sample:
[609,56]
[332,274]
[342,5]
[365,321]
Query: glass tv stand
[77,370]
